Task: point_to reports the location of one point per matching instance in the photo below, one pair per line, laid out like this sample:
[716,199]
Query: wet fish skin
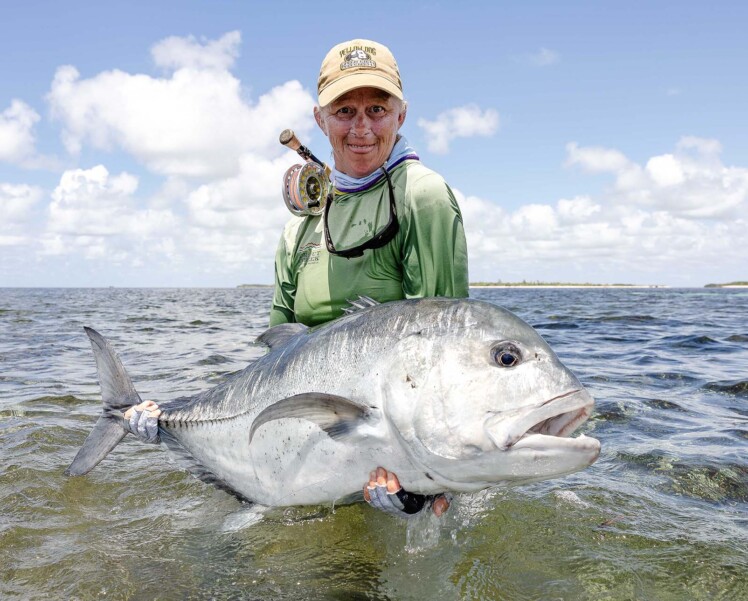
[414,385]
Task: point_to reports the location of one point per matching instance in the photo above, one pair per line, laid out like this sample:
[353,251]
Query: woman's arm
[434,248]
[282,308]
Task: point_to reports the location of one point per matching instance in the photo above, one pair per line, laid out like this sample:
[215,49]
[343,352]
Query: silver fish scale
[326,359]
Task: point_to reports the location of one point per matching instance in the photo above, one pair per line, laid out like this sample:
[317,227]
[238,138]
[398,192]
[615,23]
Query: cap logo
[358,59]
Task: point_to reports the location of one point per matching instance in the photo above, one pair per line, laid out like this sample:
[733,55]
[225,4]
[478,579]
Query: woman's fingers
[440,505]
[149,406]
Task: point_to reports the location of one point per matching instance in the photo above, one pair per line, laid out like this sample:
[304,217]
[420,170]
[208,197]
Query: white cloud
[221,227]
[580,209]
[240,219]
[665,170]
[680,208]
[533,222]
[460,122]
[17,205]
[9,240]
[194,122]
[690,182]
[545,57]
[703,146]
[176,53]
[17,143]
[91,202]
[97,215]
[251,200]
[596,158]
[17,201]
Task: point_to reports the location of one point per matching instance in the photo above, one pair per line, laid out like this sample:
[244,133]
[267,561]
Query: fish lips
[545,427]
[524,445]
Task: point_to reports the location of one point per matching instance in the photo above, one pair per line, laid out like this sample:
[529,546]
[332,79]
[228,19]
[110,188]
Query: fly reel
[305,189]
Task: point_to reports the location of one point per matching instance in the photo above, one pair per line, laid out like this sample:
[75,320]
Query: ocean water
[662,515]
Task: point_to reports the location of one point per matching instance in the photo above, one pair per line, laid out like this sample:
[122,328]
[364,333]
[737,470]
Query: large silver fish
[451,395]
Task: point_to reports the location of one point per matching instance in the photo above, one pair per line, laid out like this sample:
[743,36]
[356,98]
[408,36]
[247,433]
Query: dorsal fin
[361,303]
[279,335]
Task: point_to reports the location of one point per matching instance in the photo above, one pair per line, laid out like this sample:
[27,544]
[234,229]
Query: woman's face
[362,127]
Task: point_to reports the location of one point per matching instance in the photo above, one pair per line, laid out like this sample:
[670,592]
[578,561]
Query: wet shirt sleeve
[434,246]
[282,307]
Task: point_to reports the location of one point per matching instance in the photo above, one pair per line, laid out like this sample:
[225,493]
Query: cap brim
[357,80]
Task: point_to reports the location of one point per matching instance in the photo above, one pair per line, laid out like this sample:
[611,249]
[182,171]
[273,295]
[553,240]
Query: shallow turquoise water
[662,515]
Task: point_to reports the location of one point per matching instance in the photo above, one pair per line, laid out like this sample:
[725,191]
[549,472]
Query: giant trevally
[450,394]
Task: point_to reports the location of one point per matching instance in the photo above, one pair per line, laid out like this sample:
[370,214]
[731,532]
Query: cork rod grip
[288,138]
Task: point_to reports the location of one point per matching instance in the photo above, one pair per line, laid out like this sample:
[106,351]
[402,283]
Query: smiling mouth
[361,147]
[544,426]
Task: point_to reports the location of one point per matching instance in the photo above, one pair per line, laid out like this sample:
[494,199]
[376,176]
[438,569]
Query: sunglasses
[377,241]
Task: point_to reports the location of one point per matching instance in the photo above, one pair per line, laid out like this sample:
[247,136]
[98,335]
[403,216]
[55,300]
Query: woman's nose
[361,123]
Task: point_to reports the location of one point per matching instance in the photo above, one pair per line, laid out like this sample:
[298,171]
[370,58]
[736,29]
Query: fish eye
[505,354]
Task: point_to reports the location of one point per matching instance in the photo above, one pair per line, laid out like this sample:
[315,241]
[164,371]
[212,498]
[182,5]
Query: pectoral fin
[334,414]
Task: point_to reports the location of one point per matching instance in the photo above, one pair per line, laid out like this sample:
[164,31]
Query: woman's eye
[506,354]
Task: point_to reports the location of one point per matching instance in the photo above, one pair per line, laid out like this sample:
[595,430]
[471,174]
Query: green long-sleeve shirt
[427,257]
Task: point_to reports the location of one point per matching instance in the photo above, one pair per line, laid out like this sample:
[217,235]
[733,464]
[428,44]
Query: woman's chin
[360,165]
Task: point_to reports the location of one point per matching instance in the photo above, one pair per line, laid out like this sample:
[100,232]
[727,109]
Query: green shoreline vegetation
[729,284]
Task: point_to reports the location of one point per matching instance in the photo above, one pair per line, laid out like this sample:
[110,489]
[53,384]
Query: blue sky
[586,141]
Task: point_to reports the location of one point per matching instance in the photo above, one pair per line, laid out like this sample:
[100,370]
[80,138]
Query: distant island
[538,284]
[728,285]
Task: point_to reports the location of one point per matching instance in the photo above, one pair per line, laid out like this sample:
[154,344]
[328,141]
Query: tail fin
[117,394]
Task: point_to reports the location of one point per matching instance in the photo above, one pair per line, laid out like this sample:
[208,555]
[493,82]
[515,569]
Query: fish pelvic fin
[336,415]
[117,394]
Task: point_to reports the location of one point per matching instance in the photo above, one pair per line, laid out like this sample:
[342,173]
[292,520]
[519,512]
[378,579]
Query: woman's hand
[384,492]
[142,420]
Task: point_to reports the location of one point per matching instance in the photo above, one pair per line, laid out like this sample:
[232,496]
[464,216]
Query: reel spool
[305,189]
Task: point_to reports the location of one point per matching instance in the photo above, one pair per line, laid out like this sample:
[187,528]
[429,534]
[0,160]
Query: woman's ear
[403,114]
[318,117]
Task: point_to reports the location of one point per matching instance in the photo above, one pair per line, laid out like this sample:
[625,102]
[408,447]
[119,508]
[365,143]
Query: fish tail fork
[117,394]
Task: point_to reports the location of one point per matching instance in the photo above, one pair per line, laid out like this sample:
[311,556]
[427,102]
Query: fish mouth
[545,426]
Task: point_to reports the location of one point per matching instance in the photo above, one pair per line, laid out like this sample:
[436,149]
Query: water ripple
[661,515]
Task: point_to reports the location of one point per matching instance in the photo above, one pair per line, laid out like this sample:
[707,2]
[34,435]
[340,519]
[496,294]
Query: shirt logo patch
[308,254]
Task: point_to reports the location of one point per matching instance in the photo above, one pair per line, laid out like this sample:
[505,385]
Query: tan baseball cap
[358,64]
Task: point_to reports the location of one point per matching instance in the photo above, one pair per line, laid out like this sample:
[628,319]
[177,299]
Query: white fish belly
[289,462]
